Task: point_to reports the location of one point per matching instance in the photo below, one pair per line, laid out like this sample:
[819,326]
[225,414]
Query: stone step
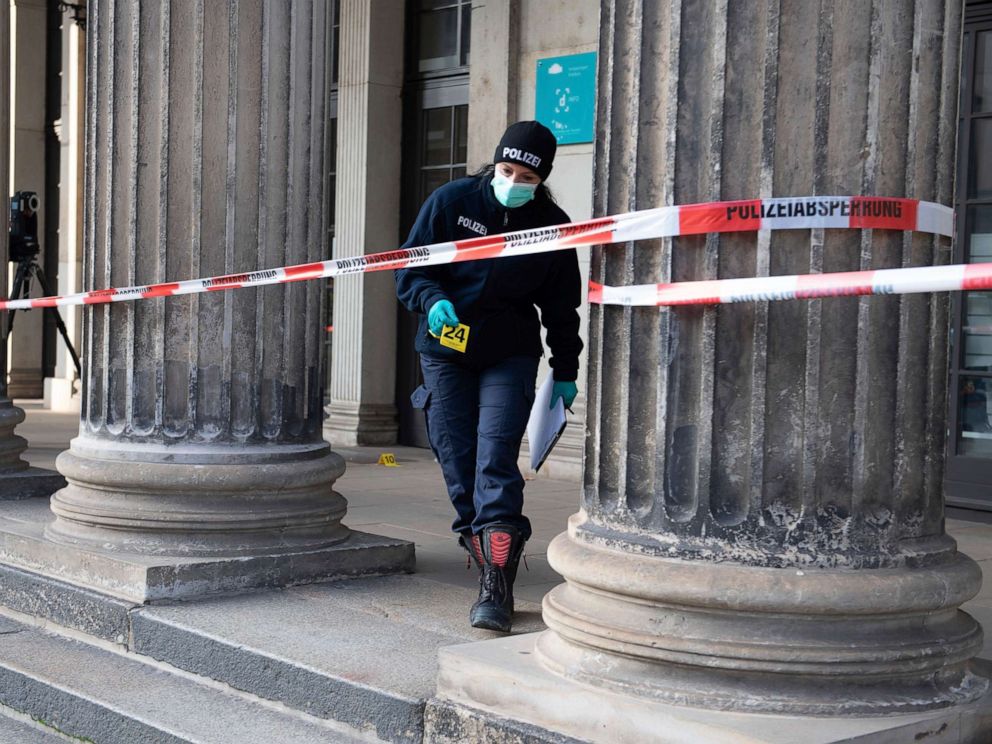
[100,695]
[64,604]
[363,652]
[15,731]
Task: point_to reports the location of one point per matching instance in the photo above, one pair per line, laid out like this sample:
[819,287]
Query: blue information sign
[566,96]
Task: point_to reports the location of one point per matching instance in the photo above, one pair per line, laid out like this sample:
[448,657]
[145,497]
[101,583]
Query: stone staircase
[105,695]
[348,661]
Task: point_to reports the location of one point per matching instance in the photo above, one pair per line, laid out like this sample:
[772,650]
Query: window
[442,35]
[444,146]
[969,461]
[331,163]
[332,157]
[437,97]
[335,45]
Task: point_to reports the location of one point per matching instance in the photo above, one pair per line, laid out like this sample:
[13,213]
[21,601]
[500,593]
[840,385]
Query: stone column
[200,465]
[28,36]
[17,479]
[363,367]
[762,523]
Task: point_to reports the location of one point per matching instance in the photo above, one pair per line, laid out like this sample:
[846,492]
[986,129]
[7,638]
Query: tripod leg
[21,289]
[58,320]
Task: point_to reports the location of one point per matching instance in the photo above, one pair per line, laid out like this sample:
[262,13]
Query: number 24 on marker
[455,337]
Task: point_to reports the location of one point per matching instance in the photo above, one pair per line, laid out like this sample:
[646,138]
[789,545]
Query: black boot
[502,547]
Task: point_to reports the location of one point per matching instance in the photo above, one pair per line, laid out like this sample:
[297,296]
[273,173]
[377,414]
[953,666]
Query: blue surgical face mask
[511,194]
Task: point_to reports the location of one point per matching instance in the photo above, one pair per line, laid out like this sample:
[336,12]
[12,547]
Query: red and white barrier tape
[790,213]
[801,287]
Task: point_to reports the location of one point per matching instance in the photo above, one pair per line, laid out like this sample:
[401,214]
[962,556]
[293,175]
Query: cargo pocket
[516,414]
[420,399]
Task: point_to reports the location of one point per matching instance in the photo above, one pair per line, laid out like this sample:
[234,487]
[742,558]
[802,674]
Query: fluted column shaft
[370,114]
[781,460]
[201,419]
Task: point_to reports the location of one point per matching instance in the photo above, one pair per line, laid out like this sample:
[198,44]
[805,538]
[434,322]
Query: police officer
[478,400]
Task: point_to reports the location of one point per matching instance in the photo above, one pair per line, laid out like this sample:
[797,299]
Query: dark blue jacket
[496,298]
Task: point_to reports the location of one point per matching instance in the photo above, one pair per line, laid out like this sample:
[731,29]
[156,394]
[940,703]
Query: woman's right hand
[441,314]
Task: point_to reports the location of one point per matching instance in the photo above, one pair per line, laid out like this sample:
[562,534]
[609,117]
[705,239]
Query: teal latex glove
[441,314]
[564,390]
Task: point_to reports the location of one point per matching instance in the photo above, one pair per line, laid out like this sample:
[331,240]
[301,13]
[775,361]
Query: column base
[147,578]
[352,425]
[198,500]
[726,636]
[501,688]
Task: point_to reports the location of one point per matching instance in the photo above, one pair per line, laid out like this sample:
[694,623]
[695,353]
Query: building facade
[763,485]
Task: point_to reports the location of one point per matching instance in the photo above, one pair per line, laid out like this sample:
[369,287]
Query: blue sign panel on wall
[566,96]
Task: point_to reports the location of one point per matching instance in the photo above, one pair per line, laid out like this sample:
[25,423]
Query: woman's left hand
[564,390]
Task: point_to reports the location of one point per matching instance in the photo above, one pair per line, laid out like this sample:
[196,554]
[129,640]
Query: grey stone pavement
[409,502]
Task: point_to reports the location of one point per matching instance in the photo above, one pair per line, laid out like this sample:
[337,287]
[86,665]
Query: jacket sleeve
[559,298]
[418,288]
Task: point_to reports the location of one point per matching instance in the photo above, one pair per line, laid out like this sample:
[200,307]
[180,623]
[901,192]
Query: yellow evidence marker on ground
[388,459]
[455,337]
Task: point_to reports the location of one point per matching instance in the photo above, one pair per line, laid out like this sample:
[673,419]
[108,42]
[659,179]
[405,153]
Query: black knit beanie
[528,143]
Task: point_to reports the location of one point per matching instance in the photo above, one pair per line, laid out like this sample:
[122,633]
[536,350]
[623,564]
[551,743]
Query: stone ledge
[502,679]
[145,578]
[448,723]
[29,483]
[96,614]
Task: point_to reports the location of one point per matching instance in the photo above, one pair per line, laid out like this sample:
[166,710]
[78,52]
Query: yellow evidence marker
[388,459]
[455,337]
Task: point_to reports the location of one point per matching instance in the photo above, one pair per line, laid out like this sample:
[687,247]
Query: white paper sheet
[545,425]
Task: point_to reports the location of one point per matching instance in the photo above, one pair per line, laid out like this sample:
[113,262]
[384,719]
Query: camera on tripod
[23,247]
[23,231]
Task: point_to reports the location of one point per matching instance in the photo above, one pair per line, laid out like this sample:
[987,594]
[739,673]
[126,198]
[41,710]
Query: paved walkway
[409,502]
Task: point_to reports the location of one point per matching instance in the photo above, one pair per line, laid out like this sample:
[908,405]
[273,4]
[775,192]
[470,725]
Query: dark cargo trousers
[475,421]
